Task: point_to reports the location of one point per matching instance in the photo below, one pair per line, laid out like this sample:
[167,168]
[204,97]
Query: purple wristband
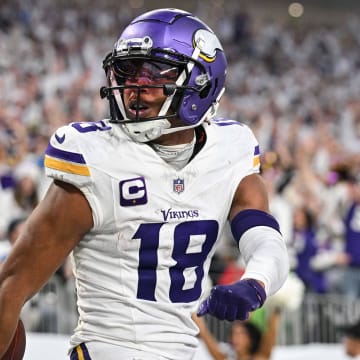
[260,292]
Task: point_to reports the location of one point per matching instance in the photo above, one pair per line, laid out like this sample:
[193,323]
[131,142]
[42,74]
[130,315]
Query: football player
[141,199]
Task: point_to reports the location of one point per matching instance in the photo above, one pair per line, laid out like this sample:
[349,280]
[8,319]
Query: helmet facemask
[134,61]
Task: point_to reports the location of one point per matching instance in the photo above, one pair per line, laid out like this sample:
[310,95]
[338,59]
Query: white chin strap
[151,130]
[147,130]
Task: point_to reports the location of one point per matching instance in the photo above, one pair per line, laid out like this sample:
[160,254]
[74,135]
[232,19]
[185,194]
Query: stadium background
[42,81]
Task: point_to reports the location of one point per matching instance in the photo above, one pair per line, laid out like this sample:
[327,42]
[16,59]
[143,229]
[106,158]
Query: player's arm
[258,235]
[50,233]
[263,249]
[251,193]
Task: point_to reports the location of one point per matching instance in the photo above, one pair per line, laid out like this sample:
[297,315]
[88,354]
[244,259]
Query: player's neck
[177,155]
[176,138]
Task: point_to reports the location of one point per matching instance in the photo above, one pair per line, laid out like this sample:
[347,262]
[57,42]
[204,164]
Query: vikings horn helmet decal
[208,44]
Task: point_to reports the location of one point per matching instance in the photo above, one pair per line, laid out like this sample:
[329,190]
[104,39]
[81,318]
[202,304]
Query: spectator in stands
[19,199]
[313,258]
[304,243]
[13,232]
[351,339]
[26,177]
[246,340]
[351,280]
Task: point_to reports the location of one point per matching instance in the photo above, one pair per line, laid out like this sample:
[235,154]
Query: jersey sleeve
[71,156]
[252,152]
[246,151]
[239,146]
[65,159]
[241,153]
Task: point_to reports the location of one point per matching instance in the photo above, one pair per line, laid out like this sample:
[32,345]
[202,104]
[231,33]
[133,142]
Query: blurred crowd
[297,86]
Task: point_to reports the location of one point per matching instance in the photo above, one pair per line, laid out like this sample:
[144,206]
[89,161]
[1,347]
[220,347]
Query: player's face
[146,101]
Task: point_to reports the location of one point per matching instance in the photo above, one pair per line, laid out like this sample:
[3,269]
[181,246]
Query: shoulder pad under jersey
[65,159]
[240,142]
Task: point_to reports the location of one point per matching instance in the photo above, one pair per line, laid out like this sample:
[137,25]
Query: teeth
[134,106]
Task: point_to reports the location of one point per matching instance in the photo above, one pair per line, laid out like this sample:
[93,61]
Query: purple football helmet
[178,53]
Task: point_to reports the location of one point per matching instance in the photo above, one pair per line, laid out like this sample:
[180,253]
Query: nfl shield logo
[178,185]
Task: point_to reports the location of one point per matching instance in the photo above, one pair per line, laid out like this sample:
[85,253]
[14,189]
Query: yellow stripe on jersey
[80,353]
[256,160]
[77,169]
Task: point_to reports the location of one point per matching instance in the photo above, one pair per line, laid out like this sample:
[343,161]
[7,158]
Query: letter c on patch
[133,192]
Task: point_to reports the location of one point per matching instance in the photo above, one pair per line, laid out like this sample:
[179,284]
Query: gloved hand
[235,301]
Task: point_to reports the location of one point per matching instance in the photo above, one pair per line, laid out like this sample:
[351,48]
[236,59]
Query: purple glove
[235,301]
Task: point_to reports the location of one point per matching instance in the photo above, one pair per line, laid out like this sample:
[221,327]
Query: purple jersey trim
[64,155]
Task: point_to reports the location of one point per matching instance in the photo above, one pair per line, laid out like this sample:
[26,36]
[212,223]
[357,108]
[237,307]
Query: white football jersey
[142,268]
